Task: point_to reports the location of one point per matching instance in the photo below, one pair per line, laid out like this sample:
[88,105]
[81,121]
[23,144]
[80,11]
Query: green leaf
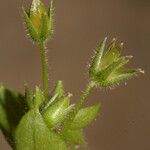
[97,59]
[33,134]
[12,108]
[85,116]
[73,138]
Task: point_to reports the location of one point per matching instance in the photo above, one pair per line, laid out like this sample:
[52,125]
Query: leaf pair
[108,69]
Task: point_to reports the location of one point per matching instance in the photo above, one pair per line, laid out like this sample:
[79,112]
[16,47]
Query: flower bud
[38,21]
[108,69]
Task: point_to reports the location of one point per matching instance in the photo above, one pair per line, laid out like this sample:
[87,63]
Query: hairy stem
[85,94]
[81,102]
[44,68]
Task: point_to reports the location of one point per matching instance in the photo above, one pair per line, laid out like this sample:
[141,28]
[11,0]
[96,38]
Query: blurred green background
[124,120]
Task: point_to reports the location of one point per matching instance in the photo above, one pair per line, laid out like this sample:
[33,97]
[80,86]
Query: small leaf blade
[74,138]
[85,116]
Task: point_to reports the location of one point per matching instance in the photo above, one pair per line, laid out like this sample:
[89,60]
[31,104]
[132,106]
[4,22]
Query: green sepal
[12,108]
[57,112]
[59,89]
[85,116]
[50,15]
[45,31]
[31,30]
[48,103]
[121,75]
[33,134]
[102,75]
[38,98]
[94,68]
[28,97]
[51,10]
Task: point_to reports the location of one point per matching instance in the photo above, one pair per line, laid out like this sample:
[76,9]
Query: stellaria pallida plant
[45,119]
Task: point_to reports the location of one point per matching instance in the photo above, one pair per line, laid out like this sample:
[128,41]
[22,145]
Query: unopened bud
[38,21]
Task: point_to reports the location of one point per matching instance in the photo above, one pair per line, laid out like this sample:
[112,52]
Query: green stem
[78,106]
[44,68]
[85,94]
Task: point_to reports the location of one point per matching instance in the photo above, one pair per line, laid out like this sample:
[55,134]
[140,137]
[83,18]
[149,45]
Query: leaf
[33,134]
[12,108]
[73,138]
[85,116]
